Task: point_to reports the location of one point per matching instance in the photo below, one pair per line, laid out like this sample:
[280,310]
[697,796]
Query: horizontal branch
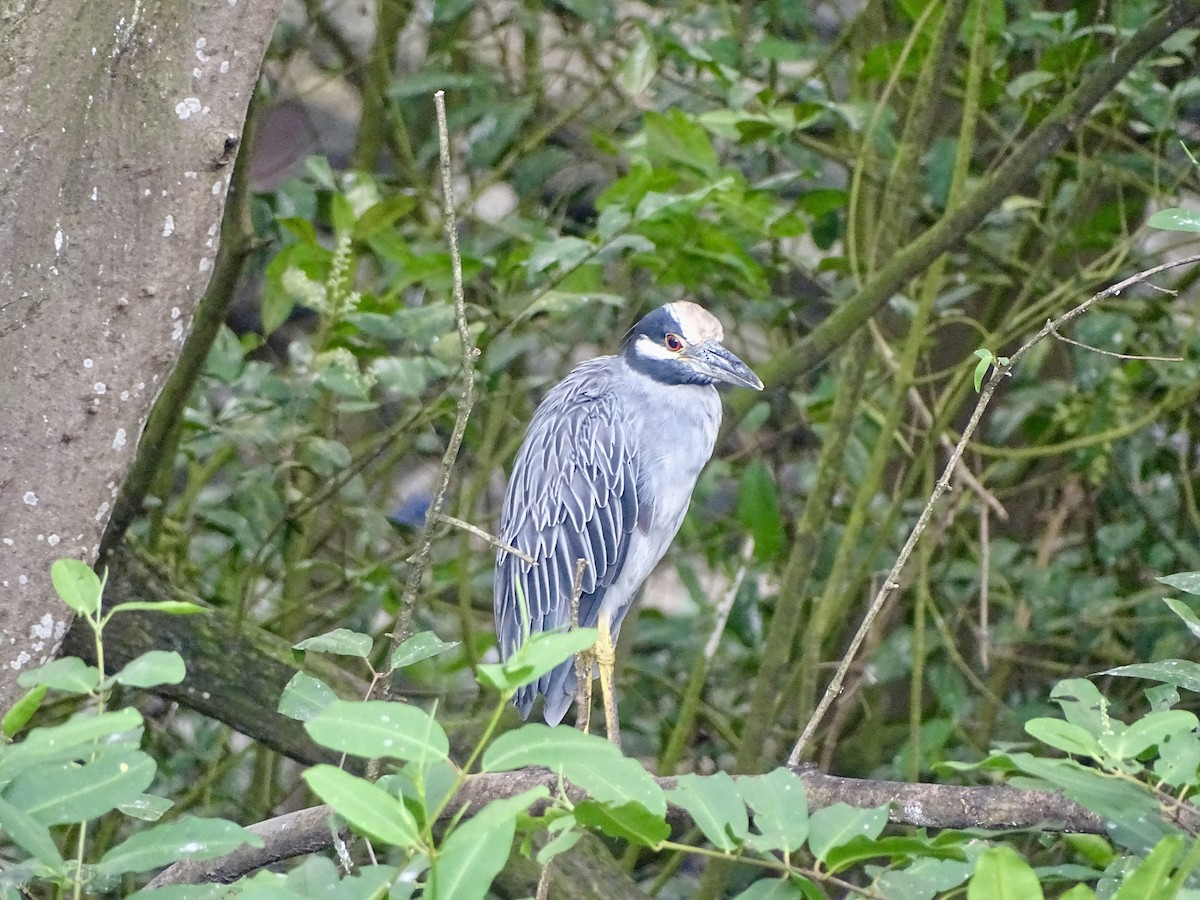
[926,805]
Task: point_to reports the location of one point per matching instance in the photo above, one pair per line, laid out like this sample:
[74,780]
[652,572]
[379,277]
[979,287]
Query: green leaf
[70,674]
[30,835]
[146,807]
[833,826]
[1079,892]
[715,806]
[629,822]
[674,137]
[1150,730]
[562,253]
[151,669]
[639,65]
[1064,736]
[786,888]
[1150,878]
[1188,582]
[185,838]
[1175,220]
[981,368]
[418,647]
[540,653]
[758,510]
[383,215]
[586,760]
[1180,672]
[379,729]
[475,852]
[859,849]
[74,739]
[22,711]
[780,807]
[369,808]
[77,585]
[1000,874]
[62,792]
[169,607]
[304,697]
[341,641]
[1181,609]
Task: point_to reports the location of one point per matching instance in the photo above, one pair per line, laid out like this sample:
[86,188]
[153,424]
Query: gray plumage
[605,474]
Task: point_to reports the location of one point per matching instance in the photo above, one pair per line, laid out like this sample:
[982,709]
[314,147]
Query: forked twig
[892,582]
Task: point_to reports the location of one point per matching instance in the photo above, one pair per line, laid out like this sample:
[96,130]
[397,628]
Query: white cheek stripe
[651,349]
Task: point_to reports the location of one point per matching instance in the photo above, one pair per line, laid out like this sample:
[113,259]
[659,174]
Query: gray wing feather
[572,495]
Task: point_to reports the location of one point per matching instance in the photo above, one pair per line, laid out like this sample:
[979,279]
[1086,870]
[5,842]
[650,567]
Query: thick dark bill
[723,366]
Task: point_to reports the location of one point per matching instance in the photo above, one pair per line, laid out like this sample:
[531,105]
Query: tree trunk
[119,125]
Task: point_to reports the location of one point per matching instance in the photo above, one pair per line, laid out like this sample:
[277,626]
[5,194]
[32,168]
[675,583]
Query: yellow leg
[606,658]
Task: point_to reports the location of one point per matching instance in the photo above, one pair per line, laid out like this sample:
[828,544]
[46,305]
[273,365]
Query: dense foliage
[788,166]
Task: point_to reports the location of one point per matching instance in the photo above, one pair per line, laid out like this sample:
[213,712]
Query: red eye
[674,342]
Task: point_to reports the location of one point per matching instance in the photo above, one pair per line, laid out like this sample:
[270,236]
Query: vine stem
[892,582]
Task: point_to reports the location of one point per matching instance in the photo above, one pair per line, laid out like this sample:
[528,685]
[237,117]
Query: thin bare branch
[1067,340]
[892,583]
[466,399]
[487,536]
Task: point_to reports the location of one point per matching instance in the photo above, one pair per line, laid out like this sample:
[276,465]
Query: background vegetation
[865,195]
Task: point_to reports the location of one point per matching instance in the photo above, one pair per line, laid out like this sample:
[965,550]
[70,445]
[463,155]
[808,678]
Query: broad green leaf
[860,849]
[1150,878]
[758,510]
[1175,220]
[786,888]
[418,647]
[475,852]
[1079,892]
[981,368]
[69,674]
[537,656]
[62,792]
[1129,810]
[1149,731]
[304,696]
[22,711]
[146,807]
[75,738]
[151,669]
[674,137]
[383,215]
[780,808]
[715,806]
[567,837]
[1178,759]
[1182,673]
[30,835]
[586,760]
[1181,609]
[341,641]
[1188,582]
[378,729]
[835,825]
[77,585]
[639,66]
[1001,874]
[185,838]
[630,822]
[561,253]
[1064,736]
[369,808]
[1082,704]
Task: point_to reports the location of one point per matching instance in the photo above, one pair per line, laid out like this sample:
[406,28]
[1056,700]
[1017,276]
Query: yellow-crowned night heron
[605,475]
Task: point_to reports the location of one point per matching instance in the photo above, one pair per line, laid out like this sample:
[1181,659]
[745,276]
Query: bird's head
[680,343]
